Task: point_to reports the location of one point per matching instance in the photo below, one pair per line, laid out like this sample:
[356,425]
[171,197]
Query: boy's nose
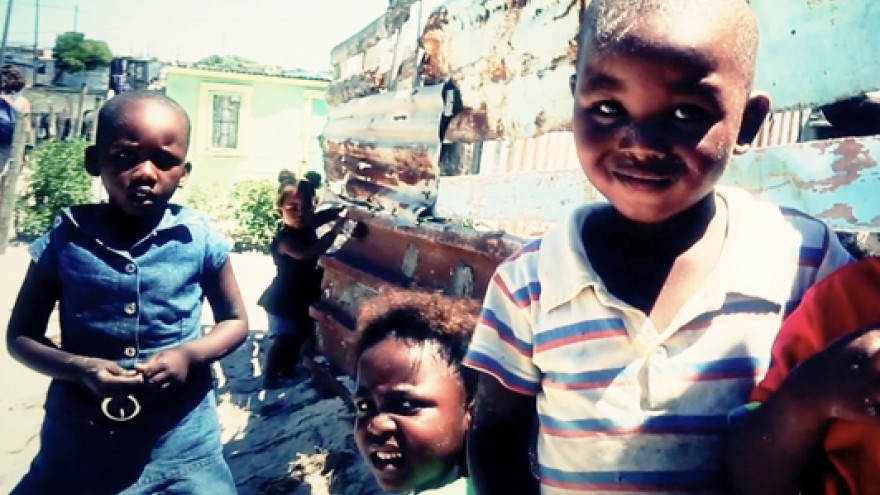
[146,170]
[644,135]
[381,424]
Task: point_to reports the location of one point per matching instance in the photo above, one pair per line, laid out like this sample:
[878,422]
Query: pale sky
[290,33]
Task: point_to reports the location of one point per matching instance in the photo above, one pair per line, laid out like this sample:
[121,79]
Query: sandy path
[290,441]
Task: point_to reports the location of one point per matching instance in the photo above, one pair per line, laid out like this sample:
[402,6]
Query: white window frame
[207,91]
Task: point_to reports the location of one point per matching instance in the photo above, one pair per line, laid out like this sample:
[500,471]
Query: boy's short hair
[606,23]
[113,110]
[416,317]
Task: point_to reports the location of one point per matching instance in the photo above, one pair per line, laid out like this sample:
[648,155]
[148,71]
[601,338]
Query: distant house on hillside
[248,126]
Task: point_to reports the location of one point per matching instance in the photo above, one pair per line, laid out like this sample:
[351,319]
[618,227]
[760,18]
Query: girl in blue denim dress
[131,408]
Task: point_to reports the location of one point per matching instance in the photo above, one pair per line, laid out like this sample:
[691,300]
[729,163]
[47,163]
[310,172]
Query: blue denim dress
[126,306]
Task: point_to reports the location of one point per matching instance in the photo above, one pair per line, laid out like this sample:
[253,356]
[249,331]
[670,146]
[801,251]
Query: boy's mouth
[387,462]
[141,196]
[644,180]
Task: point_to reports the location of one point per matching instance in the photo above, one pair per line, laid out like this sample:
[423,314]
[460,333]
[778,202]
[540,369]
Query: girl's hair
[418,317]
[305,188]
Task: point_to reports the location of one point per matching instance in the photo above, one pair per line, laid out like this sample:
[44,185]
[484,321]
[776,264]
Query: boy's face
[657,116]
[142,160]
[412,414]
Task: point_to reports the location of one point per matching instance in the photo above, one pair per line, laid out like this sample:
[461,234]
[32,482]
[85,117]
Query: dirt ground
[295,440]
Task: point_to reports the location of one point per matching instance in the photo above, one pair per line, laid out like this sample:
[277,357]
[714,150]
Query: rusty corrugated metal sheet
[782,128]
[434,256]
[384,150]
[501,54]
[553,151]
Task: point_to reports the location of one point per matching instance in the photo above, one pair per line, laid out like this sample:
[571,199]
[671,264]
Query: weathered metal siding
[433,256]
[384,150]
[836,180]
[495,73]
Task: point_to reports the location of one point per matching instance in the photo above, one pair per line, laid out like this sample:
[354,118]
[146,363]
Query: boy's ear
[755,113]
[572,83]
[187,169]
[92,161]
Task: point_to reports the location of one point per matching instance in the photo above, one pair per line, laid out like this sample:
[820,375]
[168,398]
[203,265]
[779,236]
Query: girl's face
[296,210]
[412,414]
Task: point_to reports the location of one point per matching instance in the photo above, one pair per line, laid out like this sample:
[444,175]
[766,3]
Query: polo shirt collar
[749,264]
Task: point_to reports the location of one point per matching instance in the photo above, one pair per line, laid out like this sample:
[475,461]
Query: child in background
[413,395]
[131,407]
[816,431]
[631,330]
[297,283]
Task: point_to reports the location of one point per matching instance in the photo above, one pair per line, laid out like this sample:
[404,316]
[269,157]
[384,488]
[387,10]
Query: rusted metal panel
[835,180]
[385,150]
[433,256]
[501,54]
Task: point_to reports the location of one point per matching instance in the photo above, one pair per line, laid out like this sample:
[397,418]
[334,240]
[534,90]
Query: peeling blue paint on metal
[836,180]
[817,51]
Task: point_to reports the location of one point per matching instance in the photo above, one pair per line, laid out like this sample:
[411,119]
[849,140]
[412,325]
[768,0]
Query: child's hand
[843,380]
[168,368]
[105,378]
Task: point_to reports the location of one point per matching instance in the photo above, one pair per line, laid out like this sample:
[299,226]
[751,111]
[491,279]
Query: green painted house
[249,126]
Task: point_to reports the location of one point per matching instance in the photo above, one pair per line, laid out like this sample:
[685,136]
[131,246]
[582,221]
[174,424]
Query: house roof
[296,77]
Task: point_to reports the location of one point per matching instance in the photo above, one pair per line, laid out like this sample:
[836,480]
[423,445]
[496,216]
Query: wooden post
[9,180]
[78,118]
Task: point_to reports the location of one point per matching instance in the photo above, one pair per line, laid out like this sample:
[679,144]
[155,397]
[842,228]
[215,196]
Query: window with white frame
[224,118]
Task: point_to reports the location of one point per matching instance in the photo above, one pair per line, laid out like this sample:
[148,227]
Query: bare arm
[27,342]
[328,215]
[770,450]
[231,319]
[312,251]
[500,440]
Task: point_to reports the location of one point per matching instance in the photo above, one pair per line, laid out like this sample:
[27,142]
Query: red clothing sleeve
[846,301]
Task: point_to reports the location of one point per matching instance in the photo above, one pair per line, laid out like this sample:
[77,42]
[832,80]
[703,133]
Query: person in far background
[11,98]
[414,396]
[297,283]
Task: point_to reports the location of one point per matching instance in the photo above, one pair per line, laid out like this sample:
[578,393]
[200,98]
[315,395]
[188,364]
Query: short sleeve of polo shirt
[503,339]
[843,302]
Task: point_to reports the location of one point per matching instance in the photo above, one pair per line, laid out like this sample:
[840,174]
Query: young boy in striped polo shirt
[628,333]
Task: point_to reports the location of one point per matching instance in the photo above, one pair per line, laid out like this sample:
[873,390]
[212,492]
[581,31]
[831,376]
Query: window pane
[225,115]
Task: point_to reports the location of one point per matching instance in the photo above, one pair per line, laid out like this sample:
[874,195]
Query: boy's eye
[689,114]
[405,407]
[363,406]
[123,156]
[606,110]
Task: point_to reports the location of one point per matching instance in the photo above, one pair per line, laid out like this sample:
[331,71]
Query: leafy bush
[257,217]
[214,201]
[56,178]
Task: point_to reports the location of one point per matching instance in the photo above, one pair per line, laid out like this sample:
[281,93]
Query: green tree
[74,52]
[229,62]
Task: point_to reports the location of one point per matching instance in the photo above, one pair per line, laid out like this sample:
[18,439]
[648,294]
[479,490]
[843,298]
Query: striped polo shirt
[624,407]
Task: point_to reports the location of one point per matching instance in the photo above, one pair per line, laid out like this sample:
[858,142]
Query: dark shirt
[297,282]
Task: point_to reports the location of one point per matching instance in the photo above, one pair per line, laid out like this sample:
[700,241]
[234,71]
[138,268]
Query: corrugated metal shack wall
[417,86]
